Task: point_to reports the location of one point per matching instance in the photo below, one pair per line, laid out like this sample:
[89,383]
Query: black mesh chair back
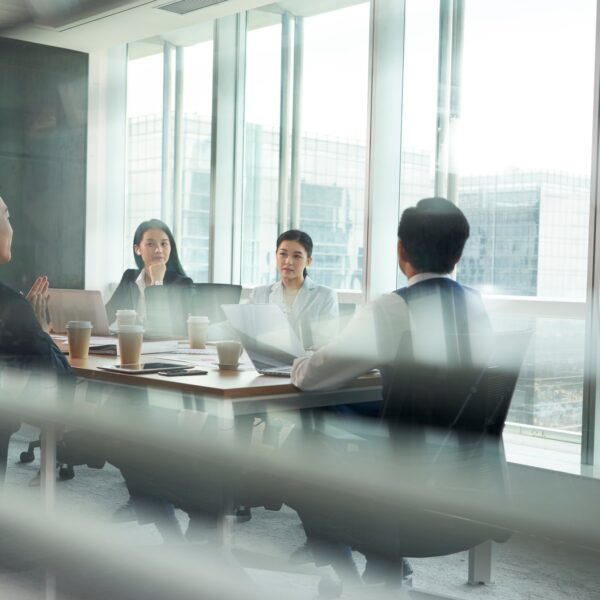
[207,299]
[467,395]
[501,378]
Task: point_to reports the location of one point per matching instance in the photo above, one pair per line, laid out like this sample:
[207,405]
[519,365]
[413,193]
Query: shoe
[301,555]
[242,514]
[125,513]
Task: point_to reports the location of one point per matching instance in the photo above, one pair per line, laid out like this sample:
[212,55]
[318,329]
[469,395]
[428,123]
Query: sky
[527,81]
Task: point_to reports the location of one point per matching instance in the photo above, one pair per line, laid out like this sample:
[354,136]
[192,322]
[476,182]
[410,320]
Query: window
[260,211]
[523,155]
[192,221]
[333,107]
[525,146]
[169,148]
[144,138]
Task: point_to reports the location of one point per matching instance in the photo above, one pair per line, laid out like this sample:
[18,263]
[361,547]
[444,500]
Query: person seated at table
[155,254]
[311,309]
[24,341]
[431,238]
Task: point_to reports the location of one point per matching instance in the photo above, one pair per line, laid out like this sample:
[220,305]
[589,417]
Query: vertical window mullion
[590,444]
[285,122]
[167,135]
[296,122]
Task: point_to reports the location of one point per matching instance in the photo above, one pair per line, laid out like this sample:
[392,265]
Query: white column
[385,141]
[227,144]
[106,168]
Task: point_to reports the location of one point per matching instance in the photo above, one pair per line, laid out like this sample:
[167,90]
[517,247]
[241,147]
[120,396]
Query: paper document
[107,345]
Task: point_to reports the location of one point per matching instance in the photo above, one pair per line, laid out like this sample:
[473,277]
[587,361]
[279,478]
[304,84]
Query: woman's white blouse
[313,314]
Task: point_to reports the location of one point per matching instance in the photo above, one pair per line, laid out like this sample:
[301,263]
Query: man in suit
[419,321]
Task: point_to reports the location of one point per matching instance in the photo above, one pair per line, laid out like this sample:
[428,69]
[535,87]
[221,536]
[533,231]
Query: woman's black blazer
[127,294]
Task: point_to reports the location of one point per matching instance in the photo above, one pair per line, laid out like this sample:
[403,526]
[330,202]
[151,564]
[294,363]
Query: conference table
[233,394]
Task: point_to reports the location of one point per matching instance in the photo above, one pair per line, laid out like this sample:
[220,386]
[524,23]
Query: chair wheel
[330,588]
[66,472]
[26,457]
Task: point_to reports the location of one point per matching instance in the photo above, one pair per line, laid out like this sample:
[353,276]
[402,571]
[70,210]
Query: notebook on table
[270,342]
[77,305]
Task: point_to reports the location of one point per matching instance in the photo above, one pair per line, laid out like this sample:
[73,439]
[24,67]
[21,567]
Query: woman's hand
[37,296]
[157,272]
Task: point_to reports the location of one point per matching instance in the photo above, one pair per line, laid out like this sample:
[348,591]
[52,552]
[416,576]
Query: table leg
[48,466]
[48,489]
[481,564]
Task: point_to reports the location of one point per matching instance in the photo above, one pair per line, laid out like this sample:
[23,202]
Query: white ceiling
[132,20]
[113,22]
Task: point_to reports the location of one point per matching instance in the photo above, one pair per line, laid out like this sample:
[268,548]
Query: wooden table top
[242,383]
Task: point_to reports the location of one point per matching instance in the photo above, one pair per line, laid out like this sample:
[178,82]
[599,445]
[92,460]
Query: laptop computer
[266,335]
[77,305]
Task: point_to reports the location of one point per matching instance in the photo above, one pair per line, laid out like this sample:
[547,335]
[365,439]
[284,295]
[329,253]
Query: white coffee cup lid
[79,325]
[130,329]
[192,319]
[126,311]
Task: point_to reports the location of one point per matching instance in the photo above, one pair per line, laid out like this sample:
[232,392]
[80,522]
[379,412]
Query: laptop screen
[77,305]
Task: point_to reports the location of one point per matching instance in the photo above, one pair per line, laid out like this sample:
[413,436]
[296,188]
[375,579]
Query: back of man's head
[433,234]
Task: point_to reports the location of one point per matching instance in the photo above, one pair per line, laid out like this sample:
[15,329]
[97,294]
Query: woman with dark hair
[155,254]
[311,309]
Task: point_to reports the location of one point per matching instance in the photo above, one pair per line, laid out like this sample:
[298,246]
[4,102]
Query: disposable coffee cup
[78,334]
[130,344]
[229,354]
[126,316]
[197,331]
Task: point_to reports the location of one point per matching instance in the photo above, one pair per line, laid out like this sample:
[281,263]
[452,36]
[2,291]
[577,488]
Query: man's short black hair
[433,233]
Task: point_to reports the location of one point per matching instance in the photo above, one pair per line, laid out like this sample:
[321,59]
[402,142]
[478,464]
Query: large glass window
[168,159]
[261,150]
[193,167]
[333,105]
[419,101]
[523,155]
[144,138]
[525,145]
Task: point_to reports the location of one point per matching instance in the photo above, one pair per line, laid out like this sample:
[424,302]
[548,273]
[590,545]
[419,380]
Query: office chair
[207,298]
[65,471]
[441,430]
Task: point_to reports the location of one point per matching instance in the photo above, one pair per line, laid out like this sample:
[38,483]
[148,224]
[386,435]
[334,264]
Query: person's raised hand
[157,272]
[37,296]
[39,287]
